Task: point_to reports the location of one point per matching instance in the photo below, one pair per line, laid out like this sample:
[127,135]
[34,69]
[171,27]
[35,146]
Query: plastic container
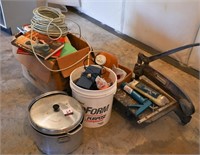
[152,94]
[97,103]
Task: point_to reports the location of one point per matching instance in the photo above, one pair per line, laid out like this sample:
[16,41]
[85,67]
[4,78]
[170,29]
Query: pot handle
[63,139]
[75,131]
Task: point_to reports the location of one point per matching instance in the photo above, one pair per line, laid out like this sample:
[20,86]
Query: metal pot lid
[55,113]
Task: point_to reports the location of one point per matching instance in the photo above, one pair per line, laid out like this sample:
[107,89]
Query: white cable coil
[45,21]
[49,21]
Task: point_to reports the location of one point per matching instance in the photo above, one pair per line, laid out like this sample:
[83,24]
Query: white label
[67,111]
[128,89]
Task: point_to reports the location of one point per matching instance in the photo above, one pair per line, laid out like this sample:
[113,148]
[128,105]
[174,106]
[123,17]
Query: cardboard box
[46,80]
[53,84]
[112,60]
[75,59]
[128,77]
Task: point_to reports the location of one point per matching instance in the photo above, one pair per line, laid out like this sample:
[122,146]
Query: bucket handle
[75,131]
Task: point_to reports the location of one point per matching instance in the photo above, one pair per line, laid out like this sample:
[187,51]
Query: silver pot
[56,121]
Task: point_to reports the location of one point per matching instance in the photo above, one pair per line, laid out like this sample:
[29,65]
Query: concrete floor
[119,136]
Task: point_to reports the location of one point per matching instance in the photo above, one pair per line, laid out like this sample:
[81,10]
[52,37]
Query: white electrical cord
[43,21]
[47,20]
[79,28]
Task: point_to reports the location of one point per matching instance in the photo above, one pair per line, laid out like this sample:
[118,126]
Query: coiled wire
[49,21]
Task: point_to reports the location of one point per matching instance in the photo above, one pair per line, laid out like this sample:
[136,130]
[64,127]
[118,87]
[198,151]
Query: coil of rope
[49,21]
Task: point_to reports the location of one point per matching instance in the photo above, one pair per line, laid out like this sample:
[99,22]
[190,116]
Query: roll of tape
[100,59]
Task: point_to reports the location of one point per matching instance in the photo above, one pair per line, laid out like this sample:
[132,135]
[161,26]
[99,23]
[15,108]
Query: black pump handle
[163,54]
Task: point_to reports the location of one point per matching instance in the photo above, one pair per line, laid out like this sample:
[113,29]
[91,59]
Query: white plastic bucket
[97,103]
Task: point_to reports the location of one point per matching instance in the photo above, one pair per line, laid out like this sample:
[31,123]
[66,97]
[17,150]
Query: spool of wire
[49,21]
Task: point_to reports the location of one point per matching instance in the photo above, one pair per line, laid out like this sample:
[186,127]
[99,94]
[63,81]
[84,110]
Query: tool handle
[163,54]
